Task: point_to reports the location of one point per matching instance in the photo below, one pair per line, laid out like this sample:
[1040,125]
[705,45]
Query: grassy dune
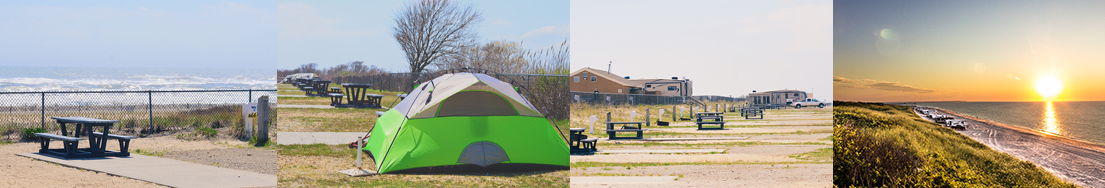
[878,145]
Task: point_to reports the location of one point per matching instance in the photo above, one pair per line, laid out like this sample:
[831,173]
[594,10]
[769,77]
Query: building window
[577,78]
[672,88]
[584,74]
[593,78]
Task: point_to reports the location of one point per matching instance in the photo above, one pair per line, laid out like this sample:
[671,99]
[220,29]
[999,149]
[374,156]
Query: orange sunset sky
[968,51]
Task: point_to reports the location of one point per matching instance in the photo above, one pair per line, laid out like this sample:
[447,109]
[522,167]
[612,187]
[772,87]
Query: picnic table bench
[97,140]
[751,113]
[580,143]
[335,99]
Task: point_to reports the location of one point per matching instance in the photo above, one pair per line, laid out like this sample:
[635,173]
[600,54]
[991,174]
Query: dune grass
[880,145]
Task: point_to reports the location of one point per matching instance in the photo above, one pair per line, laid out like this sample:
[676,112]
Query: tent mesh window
[476,103]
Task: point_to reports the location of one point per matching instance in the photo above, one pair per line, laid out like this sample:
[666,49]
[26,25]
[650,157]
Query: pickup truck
[808,102]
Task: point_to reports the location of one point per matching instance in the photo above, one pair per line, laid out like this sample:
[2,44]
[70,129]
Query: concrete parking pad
[619,180]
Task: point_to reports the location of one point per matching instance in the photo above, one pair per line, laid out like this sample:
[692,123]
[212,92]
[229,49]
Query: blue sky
[724,47]
[337,32]
[161,34]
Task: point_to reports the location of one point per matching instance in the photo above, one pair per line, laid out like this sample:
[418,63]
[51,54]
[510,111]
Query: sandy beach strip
[1072,160]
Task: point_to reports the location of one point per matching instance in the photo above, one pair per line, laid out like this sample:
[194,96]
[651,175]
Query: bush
[207,132]
[865,161]
[28,134]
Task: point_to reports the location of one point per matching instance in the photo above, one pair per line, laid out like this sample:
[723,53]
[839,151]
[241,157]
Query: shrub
[207,132]
[28,134]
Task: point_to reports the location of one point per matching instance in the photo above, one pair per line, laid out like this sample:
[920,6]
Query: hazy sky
[337,32]
[158,34]
[971,51]
[724,47]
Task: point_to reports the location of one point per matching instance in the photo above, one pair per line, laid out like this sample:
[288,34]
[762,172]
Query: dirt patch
[778,175]
[248,159]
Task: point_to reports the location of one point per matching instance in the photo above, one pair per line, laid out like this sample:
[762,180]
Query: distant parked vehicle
[808,102]
[956,124]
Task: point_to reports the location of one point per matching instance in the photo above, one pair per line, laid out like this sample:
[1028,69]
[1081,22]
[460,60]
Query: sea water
[38,79]
[132,79]
[1079,120]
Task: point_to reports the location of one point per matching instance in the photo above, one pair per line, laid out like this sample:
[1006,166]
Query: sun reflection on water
[1051,123]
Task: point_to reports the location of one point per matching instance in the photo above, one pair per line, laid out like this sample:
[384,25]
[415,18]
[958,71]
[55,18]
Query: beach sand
[1075,161]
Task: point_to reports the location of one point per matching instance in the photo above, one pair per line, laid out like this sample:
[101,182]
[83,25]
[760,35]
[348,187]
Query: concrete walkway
[608,180]
[663,151]
[163,171]
[329,138]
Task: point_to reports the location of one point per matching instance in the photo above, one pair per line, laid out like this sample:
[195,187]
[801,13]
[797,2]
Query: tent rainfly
[463,122]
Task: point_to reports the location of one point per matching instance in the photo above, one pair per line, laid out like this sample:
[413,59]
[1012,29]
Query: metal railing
[628,99]
[138,111]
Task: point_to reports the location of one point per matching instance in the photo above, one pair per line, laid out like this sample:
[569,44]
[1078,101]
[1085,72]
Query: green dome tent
[462,122]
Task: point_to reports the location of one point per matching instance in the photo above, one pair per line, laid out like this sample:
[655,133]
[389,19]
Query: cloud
[547,30]
[878,85]
[301,21]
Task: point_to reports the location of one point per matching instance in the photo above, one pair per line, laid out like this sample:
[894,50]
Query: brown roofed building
[599,81]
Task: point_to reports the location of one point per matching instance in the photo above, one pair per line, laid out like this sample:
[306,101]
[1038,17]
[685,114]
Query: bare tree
[432,28]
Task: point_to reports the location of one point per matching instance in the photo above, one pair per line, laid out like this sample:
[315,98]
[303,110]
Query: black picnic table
[751,113]
[710,118]
[97,140]
[320,88]
[580,143]
[358,96]
[610,129]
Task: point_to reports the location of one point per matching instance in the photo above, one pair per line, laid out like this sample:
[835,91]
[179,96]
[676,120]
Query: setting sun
[1049,86]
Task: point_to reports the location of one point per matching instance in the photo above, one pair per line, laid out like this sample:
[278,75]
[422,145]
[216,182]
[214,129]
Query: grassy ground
[326,120]
[317,165]
[881,145]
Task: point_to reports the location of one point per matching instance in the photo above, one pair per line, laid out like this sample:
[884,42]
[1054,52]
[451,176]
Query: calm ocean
[131,79]
[1082,120]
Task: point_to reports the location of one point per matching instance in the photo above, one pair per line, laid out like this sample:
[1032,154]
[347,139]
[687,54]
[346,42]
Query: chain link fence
[545,91]
[715,98]
[135,110]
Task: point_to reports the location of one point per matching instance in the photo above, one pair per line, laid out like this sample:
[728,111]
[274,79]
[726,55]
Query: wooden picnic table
[358,96]
[85,126]
[612,131]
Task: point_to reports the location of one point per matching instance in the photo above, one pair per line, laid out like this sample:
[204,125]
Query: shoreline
[1076,161]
